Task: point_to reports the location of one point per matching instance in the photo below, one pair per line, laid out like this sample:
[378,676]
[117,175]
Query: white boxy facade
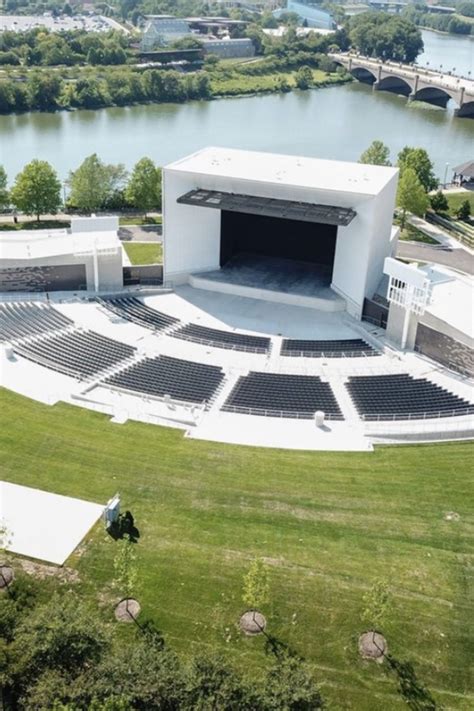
[91,243]
[192,234]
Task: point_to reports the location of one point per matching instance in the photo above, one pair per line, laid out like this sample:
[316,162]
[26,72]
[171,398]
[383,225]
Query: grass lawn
[327,523]
[455,200]
[144,253]
[413,234]
[34,225]
[237,83]
[140,220]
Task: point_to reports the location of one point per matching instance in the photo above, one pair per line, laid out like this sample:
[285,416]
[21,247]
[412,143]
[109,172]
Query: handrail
[392,417]
[268,412]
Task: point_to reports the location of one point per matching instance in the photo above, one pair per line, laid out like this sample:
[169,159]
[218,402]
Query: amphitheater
[228,361]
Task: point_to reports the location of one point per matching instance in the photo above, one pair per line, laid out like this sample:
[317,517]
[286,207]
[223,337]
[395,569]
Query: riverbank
[85,88]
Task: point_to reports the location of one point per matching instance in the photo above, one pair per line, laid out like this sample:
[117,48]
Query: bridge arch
[363,74]
[466,110]
[433,95]
[395,84]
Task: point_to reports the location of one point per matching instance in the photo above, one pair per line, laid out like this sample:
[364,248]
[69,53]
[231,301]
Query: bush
[439,202]
[464,211]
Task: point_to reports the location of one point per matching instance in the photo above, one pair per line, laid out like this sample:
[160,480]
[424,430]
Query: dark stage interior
[279,239]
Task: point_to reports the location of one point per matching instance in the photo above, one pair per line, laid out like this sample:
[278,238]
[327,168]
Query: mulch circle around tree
[252,622]
[452,516]
[124,613]
[6,576]
[373,645]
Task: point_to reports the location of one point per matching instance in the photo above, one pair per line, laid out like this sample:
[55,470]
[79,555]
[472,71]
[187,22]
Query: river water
[337,122]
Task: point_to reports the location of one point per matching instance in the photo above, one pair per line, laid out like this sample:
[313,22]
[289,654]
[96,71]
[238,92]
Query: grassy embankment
[455,200]
[328,524]
[234,84]
[144,253]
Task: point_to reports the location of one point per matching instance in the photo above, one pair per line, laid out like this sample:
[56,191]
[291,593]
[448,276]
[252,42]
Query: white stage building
[297,230]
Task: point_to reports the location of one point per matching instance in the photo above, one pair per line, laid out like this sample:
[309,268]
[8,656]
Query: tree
[376,602]
[464,210]
[4,195]
[125,567]
[37,189]
[289,684]
[418,160]
[59,640]
[376,154]
[43,90]
[378,34]
[439,202]
[94,183]
[144,187]
[256,590]
[304,77]
[411,196]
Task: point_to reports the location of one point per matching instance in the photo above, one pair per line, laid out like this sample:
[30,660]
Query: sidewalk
[438,234]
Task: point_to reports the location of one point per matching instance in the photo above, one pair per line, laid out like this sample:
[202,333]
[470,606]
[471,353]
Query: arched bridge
[414,82]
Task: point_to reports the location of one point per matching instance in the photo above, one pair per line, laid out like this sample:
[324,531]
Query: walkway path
[459,259]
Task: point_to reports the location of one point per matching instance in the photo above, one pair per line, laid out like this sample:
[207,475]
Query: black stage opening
[277,238]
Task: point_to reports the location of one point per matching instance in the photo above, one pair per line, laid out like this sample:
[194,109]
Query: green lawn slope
[328,524]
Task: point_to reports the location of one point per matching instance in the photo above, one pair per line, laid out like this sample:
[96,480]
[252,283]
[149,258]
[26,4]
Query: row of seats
[135,310]
[401,397]
[180,379]
[347,348]
[78,353]
[132,309]
[19,320]
[279,395]
[222,339]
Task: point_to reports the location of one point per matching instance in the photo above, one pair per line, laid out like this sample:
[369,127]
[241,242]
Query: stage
[287,281]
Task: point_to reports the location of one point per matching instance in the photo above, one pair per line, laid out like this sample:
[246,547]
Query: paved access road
[459,259]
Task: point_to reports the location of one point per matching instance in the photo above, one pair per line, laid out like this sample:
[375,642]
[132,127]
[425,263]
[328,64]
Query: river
[336,122]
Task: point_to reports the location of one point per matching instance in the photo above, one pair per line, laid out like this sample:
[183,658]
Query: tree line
[93,186]
[457,24]
[42,47]
[48,91]
[417,181]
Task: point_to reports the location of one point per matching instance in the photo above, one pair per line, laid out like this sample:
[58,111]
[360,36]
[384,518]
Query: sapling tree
[464,210]
[376,604]
[5,541]
[125,568]
[256,589]
[439,202]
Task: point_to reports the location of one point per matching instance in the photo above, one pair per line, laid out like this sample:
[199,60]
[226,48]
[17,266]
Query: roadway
[459,259]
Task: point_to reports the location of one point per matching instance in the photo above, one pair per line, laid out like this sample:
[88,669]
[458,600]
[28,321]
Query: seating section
[347,348]
[132,309]
[222,339]
[19,320]
[276,395]
[180,379]
[402,397]
[79,353]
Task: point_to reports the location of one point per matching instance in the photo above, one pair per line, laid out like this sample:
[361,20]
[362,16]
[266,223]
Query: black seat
[222,339]
[346,348]
[276,395]
[402,397]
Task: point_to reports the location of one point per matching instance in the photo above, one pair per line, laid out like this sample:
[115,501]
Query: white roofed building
[86,257]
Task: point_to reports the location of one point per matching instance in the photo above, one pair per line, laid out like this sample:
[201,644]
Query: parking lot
[92,23]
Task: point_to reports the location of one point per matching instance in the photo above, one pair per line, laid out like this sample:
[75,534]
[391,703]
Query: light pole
[445,174]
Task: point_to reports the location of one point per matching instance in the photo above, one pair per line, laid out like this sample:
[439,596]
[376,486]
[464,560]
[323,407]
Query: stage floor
[273,279]
[274,274]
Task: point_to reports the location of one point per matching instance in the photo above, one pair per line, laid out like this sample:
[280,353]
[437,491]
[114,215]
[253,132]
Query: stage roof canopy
[269,207]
